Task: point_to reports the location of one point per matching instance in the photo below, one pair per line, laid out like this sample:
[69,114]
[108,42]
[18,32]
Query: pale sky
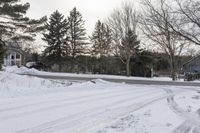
[92,10]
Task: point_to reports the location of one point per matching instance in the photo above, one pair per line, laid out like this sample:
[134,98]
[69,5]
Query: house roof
[13,46]
[194,58]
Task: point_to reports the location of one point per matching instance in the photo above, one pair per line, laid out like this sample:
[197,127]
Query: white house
[13,54]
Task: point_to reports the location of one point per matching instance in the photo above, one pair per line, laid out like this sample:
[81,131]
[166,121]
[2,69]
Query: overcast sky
[92,10]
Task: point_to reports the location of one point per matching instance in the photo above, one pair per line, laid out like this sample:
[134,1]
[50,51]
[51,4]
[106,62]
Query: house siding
[13,58]
[192,66]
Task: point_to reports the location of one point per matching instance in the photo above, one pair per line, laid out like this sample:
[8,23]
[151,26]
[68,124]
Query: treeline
[117,45]
[144,64]
[68,46]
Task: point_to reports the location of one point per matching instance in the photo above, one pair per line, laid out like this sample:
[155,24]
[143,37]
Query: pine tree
[56,39]
[77,33]
[14,25]
[101,40]
[129,47]
[108,39]
[101,43]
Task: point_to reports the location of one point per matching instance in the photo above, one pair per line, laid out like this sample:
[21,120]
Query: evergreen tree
[77,33]
[101,43]
[56,39]
[101,40]
[129,47]
[14,25]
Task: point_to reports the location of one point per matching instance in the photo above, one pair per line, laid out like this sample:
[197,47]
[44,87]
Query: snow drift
[13,84]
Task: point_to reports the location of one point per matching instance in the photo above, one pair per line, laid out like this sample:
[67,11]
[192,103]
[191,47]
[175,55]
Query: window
[12,57]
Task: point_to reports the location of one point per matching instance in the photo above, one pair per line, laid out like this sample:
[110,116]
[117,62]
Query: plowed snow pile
[20,70]
[14,85]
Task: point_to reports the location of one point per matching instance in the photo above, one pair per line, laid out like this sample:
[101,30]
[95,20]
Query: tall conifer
[56,39]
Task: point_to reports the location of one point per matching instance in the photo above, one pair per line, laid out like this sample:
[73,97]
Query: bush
[192,76]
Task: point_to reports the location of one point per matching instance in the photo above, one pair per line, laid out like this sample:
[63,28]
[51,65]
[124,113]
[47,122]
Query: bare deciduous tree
[123,24]
[189,23]
[156,25]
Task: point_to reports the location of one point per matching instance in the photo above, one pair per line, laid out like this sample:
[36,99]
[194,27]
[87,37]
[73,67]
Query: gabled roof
[13,46]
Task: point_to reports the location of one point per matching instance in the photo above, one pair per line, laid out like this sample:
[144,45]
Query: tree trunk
[145,73]
[173,68]
[59,67]
[100,65]
[128,72]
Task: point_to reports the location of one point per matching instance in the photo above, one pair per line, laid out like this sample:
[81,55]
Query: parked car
[36,65]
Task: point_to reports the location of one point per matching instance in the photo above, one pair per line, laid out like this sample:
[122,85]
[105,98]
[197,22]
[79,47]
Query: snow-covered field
[24,70]
[33,105]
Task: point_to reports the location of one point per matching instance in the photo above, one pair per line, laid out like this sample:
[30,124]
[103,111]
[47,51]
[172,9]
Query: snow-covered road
[192,120]
[95,107]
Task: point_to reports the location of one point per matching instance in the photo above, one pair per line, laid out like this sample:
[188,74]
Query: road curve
[128,81]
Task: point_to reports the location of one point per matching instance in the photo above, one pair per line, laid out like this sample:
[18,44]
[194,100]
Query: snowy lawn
[24,70]
[34,105]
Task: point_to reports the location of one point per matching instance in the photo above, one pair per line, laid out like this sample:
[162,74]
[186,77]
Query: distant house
[13,54]
[192,66]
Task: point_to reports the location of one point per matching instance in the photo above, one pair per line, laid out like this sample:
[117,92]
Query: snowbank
[197,81]
[20,70]
[15,85]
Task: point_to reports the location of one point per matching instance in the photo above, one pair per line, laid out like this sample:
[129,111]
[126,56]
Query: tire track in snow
[192,120]
[129,109]
[95,119]
[73,98]
[73,103]
[61,100]
[68,99]
[187,127]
